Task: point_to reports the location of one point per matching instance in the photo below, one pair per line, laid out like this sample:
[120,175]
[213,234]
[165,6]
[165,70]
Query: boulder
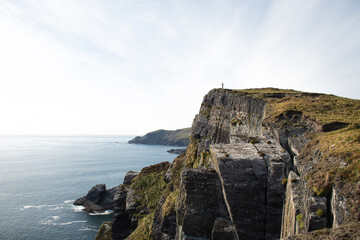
[98,199]
[129,176]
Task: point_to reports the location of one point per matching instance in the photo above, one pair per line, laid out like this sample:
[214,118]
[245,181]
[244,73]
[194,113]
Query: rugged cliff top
[334,124]
[179,137]
[260,164]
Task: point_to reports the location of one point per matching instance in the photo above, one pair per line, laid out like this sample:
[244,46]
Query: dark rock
[333,126]
[177,151]
[129,176]
[121,220]
[317,213]
[200,203]
[223,230]
[79,201]
[96,193]
[164,227]
[251,186]
[98,199]
[240,157]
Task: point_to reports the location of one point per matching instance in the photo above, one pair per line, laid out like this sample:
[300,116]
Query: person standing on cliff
[222,85]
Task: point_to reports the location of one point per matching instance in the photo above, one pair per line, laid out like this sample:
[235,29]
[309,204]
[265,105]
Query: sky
[130,67]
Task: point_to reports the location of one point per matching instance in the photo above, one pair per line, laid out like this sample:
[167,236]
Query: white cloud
[133,66]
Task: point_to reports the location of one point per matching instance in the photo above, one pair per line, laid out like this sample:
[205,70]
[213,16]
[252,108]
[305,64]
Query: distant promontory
[179,137]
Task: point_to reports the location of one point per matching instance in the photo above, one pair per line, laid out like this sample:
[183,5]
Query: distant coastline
[179,137]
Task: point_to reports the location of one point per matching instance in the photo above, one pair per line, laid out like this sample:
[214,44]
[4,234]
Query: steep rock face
[121,227]
[224,117]
[261,164]
[124,208]
[226,135]
[250,178]
[164,226]
[200,203]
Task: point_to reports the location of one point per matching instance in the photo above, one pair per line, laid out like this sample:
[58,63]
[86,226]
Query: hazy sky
[129,67]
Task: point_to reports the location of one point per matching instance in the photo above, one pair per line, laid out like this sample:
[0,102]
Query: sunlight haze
[130,67]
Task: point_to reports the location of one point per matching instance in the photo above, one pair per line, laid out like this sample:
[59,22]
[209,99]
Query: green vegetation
[253,140]
[235,121]
[205,158]
[322,192]
[300,220]
[205,110]
[143,230]
[181,134]
[284,181]
[302,225]
[320,213]
[104,232]
[149,187]
[191,153]
[168,207]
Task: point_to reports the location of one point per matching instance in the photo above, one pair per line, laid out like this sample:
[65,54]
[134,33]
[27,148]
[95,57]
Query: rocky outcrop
[178,137]
[129,176]
[164,226]
[104,232]
[177,151]
[260,164]
[122,224]
[241,135]
[98,199]
[124,208]
[246,191]
[199,204]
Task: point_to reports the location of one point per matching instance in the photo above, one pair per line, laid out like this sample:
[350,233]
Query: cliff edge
[260,164]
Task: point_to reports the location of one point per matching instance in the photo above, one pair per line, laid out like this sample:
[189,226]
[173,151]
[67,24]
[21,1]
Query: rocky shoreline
[260,164]
[99,199]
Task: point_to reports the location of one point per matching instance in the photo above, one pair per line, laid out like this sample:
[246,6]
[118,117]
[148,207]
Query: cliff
[178,137]
[260,164]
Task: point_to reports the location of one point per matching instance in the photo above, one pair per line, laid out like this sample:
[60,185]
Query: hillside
[260,164]
[179,137]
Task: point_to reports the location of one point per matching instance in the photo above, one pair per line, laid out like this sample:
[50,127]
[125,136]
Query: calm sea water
[40,177]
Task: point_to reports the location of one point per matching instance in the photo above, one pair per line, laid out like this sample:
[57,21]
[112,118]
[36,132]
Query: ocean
[41,176]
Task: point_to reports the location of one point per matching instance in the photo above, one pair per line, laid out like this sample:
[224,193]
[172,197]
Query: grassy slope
[150,186]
